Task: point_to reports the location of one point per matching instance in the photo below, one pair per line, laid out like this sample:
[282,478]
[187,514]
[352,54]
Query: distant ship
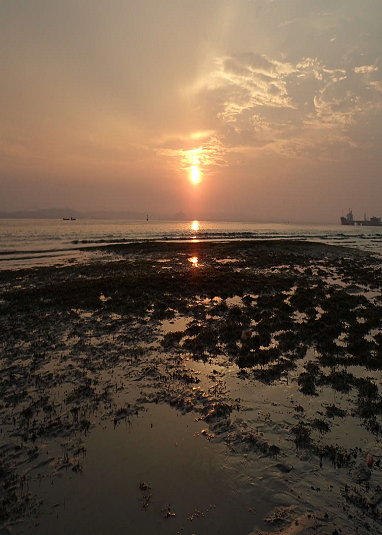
[372,222]
[348,220]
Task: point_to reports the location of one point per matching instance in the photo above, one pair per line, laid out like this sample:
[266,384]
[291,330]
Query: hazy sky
[109,104]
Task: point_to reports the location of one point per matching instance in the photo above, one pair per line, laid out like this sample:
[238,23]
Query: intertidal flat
[193,388]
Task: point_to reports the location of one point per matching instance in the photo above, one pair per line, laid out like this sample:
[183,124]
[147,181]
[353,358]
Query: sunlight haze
[267,110]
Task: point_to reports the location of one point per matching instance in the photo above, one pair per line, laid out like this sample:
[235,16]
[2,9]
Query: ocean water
[29,243]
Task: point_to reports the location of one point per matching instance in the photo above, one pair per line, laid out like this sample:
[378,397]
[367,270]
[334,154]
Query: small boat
[72,219]
[65,218]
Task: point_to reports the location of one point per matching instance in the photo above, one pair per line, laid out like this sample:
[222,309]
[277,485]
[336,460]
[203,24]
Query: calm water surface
[27,243]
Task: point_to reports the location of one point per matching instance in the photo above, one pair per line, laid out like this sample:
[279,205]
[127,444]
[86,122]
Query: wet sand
[193,388]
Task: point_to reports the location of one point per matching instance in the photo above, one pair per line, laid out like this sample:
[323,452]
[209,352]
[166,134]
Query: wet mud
[261,360]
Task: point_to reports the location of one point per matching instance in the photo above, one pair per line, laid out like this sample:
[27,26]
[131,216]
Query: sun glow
[195,174]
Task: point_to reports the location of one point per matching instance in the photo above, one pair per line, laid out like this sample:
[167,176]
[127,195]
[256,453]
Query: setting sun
[195,174]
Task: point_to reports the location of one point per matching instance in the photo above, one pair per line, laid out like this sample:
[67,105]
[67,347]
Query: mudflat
[193,388]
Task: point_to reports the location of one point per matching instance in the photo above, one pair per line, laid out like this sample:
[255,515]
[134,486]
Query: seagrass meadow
[197,387]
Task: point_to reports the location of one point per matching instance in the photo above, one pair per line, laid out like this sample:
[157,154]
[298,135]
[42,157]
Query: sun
[195,174]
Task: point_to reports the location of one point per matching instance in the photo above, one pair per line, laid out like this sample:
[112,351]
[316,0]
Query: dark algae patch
[270,351]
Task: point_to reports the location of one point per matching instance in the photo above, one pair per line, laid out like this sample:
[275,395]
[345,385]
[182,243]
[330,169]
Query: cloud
[288,22]
[303,109]
[146,89]
[257,101]
[366,69]
[210,154]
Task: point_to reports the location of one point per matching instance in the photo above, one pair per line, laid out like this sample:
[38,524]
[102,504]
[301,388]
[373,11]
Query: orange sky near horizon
[113,106]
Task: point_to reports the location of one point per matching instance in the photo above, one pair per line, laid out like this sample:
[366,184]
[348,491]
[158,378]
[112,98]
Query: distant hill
[179,216]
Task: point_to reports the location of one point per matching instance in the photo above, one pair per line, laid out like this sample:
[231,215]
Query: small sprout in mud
[169,513]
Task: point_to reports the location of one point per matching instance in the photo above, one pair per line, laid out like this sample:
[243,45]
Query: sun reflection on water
[195,228]
[194,261]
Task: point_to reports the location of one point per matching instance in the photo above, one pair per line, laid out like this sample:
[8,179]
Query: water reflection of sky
[46,242]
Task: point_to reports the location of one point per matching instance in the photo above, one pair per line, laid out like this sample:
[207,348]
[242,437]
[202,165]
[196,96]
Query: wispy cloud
[366,69]
[260,101]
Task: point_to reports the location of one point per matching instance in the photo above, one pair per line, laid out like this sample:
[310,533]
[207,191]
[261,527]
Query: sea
[28,243]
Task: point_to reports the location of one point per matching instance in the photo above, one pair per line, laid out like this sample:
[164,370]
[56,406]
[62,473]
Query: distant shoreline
[67,214]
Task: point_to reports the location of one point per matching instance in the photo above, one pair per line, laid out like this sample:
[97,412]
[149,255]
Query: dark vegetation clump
[97,318]
[172,339]
[301,433]
[342,381]
[309,379]
[321,425]
[274,372]
[334,411]
[338,456]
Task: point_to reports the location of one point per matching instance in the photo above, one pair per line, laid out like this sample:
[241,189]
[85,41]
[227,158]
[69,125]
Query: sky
[110,105]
